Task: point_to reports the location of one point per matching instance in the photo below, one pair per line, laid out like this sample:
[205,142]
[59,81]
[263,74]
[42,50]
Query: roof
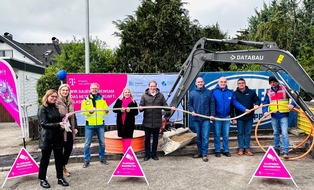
[39,53]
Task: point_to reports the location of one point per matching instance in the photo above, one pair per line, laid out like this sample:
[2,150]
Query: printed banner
[272,167]
[8,91]
[111,86]
[128,166]
[23,165]
[257,81]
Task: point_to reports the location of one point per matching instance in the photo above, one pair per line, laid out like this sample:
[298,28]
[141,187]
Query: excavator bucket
[176,139]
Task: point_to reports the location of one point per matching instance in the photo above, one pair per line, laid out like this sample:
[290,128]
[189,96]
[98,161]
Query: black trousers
[148,133]
[44,162]
[68,147]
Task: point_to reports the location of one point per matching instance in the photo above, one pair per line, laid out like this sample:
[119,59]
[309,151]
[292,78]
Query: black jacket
[126,130]
[248,98]
[51,133]
[152,117]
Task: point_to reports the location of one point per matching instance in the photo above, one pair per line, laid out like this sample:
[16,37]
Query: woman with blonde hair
[126,117]
[51,137]
[65,105]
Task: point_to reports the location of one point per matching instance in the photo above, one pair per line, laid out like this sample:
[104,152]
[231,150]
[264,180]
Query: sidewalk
[175,171]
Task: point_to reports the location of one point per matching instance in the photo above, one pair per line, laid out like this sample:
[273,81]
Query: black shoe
[155,157]
[104,162]
[86,163]
[146,158]
[217,154]
[44,183]
[227,154]
[277,151]
[62,182]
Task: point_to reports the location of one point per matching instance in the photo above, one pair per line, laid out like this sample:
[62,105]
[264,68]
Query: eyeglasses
[54,96]
[241,82]
[152,86]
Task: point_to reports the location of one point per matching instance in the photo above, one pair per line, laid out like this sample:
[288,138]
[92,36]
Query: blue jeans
[283,124]
[244,133]
[89,132]
[223,126]
[202,129]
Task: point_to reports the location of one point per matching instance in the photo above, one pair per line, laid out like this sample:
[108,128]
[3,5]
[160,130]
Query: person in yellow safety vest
[95,122]
[279,119]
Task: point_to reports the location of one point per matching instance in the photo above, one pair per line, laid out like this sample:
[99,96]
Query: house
[28,61]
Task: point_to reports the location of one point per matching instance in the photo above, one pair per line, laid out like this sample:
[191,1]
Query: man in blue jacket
[249,99]
[224,98]
[200,103]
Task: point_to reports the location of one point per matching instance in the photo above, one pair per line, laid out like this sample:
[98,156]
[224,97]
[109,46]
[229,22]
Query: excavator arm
[268,55]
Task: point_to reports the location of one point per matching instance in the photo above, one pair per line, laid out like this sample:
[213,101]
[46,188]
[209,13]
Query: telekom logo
[72,81]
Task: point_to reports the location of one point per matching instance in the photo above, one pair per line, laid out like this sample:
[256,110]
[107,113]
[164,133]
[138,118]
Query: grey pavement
[175,171]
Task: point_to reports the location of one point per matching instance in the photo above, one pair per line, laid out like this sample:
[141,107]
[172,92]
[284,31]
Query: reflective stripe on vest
[279,97]
[97,118]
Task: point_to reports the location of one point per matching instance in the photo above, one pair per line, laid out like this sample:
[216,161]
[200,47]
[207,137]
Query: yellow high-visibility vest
[98,117]
[279,97]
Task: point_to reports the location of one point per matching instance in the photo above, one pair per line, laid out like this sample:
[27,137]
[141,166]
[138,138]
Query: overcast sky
[38,21]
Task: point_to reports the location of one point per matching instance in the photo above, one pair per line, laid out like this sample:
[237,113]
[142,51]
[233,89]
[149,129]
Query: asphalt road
[174,171]
[177,172]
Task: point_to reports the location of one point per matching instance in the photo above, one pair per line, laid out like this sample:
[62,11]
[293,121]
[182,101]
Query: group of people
[221,103]
[57,130]
[58,123]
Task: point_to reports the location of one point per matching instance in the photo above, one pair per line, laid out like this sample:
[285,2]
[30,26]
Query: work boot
[104,162]
[205,158]
[227,154]
[248,152]
[277,151]
[240,152]
[86,163]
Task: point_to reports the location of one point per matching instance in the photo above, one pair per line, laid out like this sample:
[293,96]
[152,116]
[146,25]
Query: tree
[47,81]
[289,23]
[72,60]
[72,57]
[158,38]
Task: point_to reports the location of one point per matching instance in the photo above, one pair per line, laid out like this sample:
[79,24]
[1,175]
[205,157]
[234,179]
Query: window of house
[6,53]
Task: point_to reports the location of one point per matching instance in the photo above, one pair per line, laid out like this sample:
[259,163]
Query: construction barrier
[303,123]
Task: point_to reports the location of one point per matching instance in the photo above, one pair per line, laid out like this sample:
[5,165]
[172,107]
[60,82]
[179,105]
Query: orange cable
[294,158]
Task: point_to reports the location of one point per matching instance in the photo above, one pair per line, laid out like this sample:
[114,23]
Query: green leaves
[158,38]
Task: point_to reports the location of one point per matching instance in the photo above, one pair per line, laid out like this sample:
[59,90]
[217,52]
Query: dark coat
[152,117]
[51,133]
[248,98]
[201,102]
[126,130]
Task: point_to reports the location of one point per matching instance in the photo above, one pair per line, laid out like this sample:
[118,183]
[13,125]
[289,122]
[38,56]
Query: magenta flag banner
[8,91]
